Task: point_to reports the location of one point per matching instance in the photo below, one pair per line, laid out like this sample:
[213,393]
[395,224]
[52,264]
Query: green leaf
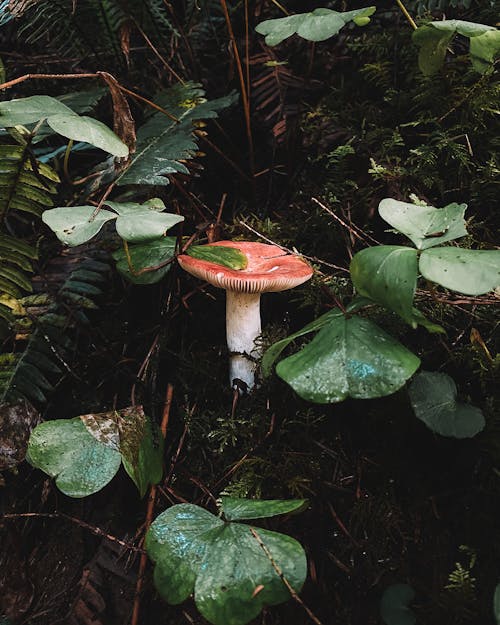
[226,256]
[65,449]
[163,143]
[224,564]
[146,256]
[142,222]
[426,226]
[85,453]
[23,111]
[496,604]
[472,272]
[394,604]
[434,399]
[433,40]
[317,25]
[348,358]
[83,128]
[236,509]
[388,275]
[74,225]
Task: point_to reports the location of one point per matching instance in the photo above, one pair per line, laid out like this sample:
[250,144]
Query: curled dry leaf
[123,122]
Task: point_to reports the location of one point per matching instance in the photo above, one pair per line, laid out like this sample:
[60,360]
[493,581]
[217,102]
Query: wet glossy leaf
[23,111]
[426,226]
[89,130]
[394,608]
[146,256]
[222,563]
[84,453]
[66,450]
[433,397]
[74,225]
[388,275]
[472,272]
[348,358]
[145,225]
[317,25]
[236,509]
[220,255]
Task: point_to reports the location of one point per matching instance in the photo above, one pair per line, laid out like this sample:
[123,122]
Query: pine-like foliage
[33,372]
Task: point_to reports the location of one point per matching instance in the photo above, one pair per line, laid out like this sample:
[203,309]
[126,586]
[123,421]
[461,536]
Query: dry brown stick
[281,575]
[19,79]
[149,514]
[97,531]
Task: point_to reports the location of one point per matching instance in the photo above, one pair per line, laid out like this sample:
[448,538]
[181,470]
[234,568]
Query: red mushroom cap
[269,269]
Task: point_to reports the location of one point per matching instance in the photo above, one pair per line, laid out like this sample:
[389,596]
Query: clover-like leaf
[394,604]
[66,450]
[226,256]
[228,566]
[142,222]
[74,225]
[433,396]
[23,111]
[89,130]
[85,453]
[348,358]
[146,263]
[317,25]
[426,226]
[387,274]
[472,272]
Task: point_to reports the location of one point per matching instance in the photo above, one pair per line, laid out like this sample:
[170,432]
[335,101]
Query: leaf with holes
[426,226]
[394,604]
[348,358]
[433,397]
[23,111]
[318,25]
[223,563]
[472,272]
[74,225]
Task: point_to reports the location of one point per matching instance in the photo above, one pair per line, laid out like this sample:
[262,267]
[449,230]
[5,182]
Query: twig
[292,592]
[59,515]
[354,230]
[404,10]
[149,514]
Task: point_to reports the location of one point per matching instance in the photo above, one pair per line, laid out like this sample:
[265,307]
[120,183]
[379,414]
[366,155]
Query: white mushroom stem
[242,329]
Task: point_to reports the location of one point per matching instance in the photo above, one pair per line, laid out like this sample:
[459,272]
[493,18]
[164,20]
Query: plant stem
[406,14]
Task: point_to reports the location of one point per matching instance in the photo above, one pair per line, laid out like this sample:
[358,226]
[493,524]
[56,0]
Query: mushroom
[269,269]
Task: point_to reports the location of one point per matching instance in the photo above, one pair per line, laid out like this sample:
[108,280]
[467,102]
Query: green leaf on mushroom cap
[433,397]
[230,257]
[222,563]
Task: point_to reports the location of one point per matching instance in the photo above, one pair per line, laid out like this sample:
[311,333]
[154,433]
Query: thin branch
[404,10]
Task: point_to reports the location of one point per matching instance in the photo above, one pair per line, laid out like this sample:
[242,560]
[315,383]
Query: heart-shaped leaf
[23,111]
[226,256]
[74,225]
[472,272]
[394,604]
[387,274]
[433,397]
[83,128]
[149,262]
[143,222]
[85,453]
[426,226]
[228,566]
[348,358]
[317,25]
